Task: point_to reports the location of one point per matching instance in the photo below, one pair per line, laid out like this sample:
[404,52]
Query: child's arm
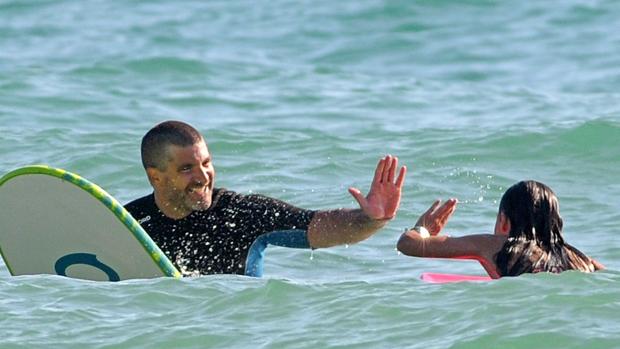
[480,247]
[586,259]
[411,243]
[597,265]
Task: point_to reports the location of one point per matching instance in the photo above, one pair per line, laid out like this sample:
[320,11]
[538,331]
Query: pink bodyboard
[438,278]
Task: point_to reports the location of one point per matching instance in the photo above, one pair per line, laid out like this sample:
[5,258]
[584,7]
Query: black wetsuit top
[217,240]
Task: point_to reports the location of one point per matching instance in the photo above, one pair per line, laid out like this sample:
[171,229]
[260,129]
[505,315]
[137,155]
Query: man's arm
[343,226]
[348,226]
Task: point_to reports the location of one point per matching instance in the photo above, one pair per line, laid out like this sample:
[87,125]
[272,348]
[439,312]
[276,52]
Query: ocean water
[298,100]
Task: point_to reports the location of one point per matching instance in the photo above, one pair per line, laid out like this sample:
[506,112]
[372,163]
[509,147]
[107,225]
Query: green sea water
[298,100]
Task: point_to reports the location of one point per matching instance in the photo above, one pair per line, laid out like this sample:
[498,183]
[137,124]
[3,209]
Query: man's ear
[154,176]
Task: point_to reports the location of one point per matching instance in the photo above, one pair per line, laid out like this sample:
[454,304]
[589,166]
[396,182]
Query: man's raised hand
[383,199]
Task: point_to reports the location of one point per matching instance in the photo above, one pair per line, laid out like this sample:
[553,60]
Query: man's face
[186,184]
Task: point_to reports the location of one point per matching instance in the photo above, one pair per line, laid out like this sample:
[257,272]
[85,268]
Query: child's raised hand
[436,217]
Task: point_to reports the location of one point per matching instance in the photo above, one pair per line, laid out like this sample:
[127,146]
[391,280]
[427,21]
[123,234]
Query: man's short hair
[155,142]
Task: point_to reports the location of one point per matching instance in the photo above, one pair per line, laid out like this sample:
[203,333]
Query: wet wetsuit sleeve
[270,215]
[282,225]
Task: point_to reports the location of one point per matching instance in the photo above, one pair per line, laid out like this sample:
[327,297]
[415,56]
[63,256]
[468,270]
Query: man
[209,230]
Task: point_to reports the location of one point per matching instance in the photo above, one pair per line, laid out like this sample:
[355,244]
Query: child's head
[531,212]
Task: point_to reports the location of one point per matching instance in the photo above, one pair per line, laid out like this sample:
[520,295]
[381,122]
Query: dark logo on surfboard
[87,259]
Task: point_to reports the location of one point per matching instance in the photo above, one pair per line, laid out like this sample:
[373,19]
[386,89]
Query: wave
[167,65]
[592,139]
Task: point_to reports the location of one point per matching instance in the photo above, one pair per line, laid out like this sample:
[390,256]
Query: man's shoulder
[224,199]
[260,205]
[141,205]
[226,196]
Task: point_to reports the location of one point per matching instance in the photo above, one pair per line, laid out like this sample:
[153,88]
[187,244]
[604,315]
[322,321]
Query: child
[527,239]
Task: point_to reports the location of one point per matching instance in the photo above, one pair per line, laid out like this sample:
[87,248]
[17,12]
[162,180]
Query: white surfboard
[55,222]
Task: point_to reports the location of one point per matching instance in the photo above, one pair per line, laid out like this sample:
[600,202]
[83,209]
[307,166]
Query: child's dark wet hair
[534,214]
[535,241]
